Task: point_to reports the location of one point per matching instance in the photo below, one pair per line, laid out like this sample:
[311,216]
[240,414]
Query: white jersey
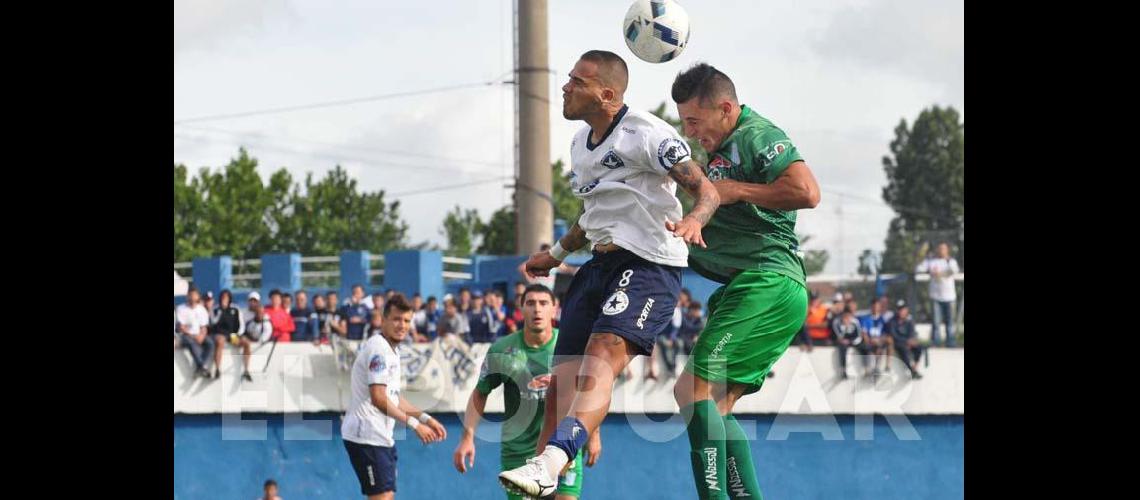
[376,363]
[625,187]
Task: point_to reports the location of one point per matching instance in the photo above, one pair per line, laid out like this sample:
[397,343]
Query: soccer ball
[656,30]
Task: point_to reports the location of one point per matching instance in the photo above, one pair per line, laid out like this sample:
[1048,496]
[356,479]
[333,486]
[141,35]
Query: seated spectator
[818,326]
[848,334]
[258,328]
[228,325]
[450,323]
[691,326]
[193,325]
[354,315]
[286,301]
[885,306]
[208,304]
[874,329]
[271,485]
[283,326]
[904,339]
[304,319]
[480,320]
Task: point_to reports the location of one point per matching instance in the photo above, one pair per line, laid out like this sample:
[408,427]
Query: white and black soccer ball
[656,31]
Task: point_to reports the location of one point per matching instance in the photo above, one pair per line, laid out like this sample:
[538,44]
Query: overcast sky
[837,76]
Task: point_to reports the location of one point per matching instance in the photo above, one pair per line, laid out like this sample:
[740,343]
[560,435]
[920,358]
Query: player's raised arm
[692,179]
[795,189]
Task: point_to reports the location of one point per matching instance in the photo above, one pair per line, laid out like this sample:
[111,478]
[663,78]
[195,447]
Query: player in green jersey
[751,249]
[521,363]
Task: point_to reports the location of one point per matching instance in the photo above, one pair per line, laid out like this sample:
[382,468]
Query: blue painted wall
[312,463]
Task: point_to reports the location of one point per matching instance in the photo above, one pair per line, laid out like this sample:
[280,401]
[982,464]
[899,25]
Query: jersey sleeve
[379,370]
[490,376]
[772,153]
[664,147]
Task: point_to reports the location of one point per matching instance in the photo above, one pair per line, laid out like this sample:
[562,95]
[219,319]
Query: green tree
[868,262]
[499,233]
[925,175]
[814,260]
[461,228]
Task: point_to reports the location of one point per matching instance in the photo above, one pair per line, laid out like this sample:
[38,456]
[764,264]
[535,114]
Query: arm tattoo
[694,182]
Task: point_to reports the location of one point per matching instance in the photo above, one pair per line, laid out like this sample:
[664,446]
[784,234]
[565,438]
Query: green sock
[741,474]
[706,441]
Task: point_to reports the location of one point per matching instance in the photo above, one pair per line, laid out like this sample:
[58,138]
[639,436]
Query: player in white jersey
[376,405]
[626,165]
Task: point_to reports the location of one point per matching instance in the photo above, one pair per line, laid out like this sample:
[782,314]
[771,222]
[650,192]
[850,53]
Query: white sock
[555,459]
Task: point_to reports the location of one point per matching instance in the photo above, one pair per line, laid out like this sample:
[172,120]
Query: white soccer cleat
[531,479]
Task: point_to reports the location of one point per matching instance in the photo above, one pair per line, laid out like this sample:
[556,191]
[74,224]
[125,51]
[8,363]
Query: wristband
[413,423]
[558,252]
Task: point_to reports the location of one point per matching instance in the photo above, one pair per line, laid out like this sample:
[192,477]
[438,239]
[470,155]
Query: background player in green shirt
[521,362]
[751,249]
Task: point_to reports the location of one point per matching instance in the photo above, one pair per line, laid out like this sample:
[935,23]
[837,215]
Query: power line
[448,187]
[342,102]
[273,138]
[367,162]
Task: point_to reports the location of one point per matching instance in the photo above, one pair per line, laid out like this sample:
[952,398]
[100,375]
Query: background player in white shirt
[367,429]
[626,165]
[943,296]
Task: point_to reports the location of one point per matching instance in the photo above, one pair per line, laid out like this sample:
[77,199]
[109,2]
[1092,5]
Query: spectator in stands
[904,338]
[464,300]
[874,328]
[208,304]
[388,293]
[885,306]
[354,315]
[848,334]
[193,326]
[943,296]
[258,328]
[450,322]
[377,303]
[271,485]
[498,312]
[376,320]
[691,326]
[324,317]
[336,323]
[227,324]
[803,339]
[286,301]
[283,326]
[480,320]
[304,319]
[819,328]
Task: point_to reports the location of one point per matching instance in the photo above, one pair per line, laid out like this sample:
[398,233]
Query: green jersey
[525,371]
[744,236]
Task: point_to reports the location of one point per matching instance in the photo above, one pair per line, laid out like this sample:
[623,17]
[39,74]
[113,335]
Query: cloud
[206,23]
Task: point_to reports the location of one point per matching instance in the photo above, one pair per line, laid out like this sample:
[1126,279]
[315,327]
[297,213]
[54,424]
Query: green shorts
[752,320]
[570,484]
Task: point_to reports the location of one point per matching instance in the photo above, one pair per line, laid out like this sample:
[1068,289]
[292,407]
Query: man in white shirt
[376,405]
[943,296]
[193,321]
[625,166]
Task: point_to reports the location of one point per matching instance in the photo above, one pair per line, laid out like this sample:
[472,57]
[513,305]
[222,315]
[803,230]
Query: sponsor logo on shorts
[720,344]
[644,314]
[710,469]
[734,482]
[617,303]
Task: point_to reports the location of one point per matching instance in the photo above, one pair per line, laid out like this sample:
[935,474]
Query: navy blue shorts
[618,292]
[375,467]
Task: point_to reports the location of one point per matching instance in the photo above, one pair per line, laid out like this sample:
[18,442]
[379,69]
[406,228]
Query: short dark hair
[269,482]
[685,291]
[612,69]
[398,302]
[538,288]
[431,298]
[695,304]
[274,292]
[704,82]
[192,289]
[358,285]
[286,295]
[332,293]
